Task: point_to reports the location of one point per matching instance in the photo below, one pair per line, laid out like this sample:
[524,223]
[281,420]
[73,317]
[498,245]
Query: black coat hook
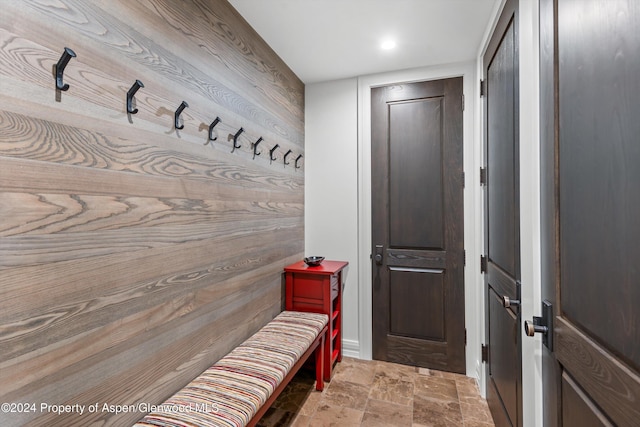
[235,140]
[59,68]
[132,91]
[271,152]
[297,159]
[177,115]
[255,147]
[211,126]
[285,157]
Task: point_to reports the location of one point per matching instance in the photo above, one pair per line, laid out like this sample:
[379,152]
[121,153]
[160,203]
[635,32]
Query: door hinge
[465,336]
[483,176]
[485,353]
[463,180]
[483,88]
[462,102]
[464,257]
[483,264]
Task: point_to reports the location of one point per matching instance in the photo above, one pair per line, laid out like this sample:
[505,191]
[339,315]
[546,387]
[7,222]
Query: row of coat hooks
[67,54]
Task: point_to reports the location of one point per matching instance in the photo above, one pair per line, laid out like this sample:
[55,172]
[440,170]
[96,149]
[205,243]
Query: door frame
[471,156]
[530,208]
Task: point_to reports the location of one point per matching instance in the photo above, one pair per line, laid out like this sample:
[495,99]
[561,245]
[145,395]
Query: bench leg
[320,363]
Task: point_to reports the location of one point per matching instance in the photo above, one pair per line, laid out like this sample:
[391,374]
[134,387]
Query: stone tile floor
[373,393]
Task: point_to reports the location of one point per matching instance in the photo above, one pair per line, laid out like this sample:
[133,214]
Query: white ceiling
[325,40]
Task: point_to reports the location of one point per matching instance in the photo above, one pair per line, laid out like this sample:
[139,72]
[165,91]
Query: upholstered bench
[239,388]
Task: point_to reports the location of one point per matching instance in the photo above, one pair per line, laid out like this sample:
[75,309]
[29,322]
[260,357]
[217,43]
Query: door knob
[378,256]
[542,325]
[530,328]
[507,302]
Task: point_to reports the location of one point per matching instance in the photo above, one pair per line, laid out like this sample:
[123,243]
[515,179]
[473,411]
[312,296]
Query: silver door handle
[531,328]
[507,302]
[542,325]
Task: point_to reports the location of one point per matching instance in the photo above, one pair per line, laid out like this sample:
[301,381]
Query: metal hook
[132,91]
[211,126]
[235,140]
[176,116]
[285,157]
[59,68]
[255,147]
[271,152]
[298,158]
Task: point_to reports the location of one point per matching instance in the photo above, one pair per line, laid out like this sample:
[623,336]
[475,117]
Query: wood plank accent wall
[134,255]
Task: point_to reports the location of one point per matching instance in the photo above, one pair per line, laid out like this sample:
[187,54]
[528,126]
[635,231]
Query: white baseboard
[351,348]
[480,379]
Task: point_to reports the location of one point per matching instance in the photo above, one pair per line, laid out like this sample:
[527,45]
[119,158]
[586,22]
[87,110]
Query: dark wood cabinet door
[417,197]
[502,222]
[590,181]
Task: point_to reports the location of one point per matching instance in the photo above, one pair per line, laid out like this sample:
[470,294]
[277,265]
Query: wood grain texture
[614,386]
[577,408]
[134,255]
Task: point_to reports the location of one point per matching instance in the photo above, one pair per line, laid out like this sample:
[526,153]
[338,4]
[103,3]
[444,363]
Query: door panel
[415,165]
[501,154]
[424,288]
[599,176]
[503,353]
[577,408]
[417,205]
[502,221]
[590,98]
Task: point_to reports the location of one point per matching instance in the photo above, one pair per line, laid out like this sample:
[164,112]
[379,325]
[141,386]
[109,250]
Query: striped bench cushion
[232,391]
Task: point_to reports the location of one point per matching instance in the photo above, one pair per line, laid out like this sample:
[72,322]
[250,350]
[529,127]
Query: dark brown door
[502,222]
[417,198]
[590,136]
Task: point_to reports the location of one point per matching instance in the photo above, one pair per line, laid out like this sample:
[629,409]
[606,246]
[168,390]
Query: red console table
[319,290]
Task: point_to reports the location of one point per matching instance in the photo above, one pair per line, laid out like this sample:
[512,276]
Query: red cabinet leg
[320,362]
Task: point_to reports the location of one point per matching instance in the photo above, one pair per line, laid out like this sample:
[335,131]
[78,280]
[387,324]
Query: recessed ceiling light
[388,44]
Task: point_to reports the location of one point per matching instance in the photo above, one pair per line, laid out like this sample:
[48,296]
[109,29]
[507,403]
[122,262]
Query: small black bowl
[313,261]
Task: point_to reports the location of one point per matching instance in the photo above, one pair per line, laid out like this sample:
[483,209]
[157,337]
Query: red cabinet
[319,290]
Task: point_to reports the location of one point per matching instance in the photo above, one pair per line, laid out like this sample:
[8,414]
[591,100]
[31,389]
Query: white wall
[331,188]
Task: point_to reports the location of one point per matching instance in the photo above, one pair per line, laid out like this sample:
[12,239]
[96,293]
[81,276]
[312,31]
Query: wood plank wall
[134,255]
